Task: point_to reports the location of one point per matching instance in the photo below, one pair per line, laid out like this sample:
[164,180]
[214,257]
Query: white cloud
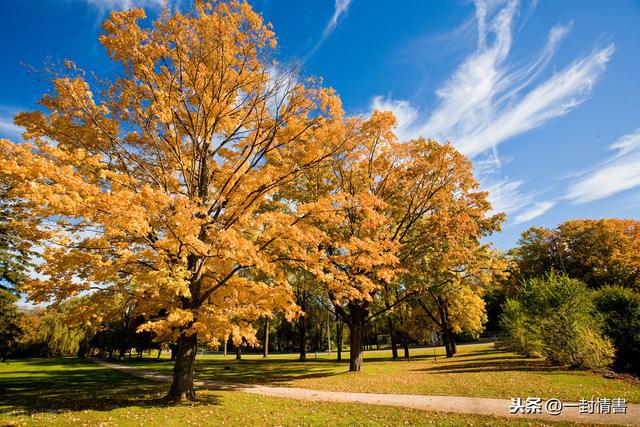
[404,112]
[619,172]
[8,129]
[487,100]
[341,8]
[505,195]
[124,4]
[534,211]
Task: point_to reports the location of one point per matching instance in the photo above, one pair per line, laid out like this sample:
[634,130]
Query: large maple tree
[154,191]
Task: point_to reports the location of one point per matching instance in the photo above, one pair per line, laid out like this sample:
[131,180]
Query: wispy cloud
[490,98]
[618,173]
[8,129]
[506,195]
[487,100]
[340,9]
[404,112]
[534,211]
[124,4]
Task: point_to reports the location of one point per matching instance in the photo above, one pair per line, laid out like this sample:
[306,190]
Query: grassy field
[478,370]
[54,392]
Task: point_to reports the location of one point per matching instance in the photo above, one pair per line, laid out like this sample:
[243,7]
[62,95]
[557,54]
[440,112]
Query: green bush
[523,334]
[620,308]
[555,317]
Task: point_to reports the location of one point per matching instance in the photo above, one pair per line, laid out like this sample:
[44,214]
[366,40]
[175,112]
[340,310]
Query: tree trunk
[356,330]
[339,328]
[447,335]
[265,341]
[302,327]
[239,352]
[159,353]
[356,324]
[454,346]
[394,343]
[405,344]
[182,385]
[226,341]
[174,351]
[302,338]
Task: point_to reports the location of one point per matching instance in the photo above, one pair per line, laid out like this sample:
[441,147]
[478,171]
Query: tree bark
[265,341]
[394,343]
[302,327]
[339,328]
[182,385]
[405,343]
[357,322]
[447,334]
[174,351]
[454,346]
[239,352]
[356,330]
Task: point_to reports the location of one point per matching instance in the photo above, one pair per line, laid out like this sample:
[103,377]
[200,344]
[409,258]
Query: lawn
[53,392]
[478,370]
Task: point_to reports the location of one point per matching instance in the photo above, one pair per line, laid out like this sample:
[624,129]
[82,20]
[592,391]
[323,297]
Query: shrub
[555,317]
[620,308]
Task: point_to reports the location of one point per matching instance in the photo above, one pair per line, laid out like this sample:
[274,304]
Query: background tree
[620,308]
[379,195]
[15,251]
[452,282]
[597,252]
[157,187]
[10,319]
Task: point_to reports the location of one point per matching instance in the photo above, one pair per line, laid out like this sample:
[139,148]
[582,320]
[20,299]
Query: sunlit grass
[55,392]
[478,370]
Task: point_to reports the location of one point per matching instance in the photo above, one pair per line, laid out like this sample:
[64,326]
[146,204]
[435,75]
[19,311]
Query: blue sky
[543,96]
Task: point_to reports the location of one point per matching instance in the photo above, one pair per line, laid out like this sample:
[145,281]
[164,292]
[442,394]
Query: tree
[597,252]
[368,208]
[157,189]
[15,252]
[555,317]
[620,308]
[452,281]
[10,320]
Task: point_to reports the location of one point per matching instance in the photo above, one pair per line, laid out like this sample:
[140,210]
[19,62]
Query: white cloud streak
[124,4]
[341,8]
[8,129]
[487,100]
[403,111]
[619,172]
[534,211]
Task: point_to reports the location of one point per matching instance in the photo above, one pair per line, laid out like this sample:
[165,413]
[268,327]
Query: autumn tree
[451,285]
[371,204]
[157,188]
[597,252]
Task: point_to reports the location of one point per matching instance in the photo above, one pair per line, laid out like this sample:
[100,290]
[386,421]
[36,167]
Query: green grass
[55,392]
[478,370]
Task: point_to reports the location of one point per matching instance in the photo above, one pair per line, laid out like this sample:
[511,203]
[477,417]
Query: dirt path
[457,404]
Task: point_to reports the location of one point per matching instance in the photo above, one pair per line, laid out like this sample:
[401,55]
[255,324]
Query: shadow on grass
[495,364]
[52,385]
